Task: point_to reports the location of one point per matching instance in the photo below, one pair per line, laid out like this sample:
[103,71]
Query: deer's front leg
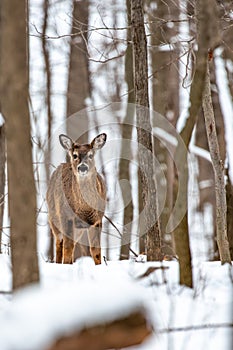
[59,242]
[68,243]
[94,241]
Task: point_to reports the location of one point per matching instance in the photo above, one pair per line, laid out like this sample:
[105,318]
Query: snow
[201,152]
[162,134]
[71,297]
[1,120]
[50,310]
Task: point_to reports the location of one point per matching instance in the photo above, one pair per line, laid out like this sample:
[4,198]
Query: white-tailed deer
[76,199]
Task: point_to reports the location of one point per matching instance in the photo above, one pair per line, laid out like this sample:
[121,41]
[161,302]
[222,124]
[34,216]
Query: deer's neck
[89,193]
[85,186]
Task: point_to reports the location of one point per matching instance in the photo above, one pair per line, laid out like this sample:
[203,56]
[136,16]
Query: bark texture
[205,168]
[165,98]
[229,196]
[48,94]
[207,37]
[2,178]
[14,99]
[221,206]
[78,77]
[127,135]
[149,221]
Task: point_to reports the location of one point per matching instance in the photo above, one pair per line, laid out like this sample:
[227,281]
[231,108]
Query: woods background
[79,54]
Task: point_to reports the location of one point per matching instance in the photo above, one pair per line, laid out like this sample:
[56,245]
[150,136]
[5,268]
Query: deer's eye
[75,156]
[90,156]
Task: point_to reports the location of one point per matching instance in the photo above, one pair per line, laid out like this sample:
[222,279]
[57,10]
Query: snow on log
[85,315]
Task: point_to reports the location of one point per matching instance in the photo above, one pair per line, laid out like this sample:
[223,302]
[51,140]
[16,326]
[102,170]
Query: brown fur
[76,207]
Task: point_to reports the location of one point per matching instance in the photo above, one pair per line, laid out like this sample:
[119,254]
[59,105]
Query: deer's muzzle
[83,169]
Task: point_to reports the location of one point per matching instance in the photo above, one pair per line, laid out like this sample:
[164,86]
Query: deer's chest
[87,205]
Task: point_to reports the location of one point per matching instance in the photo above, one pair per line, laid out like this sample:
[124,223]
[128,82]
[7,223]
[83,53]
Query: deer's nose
[83,169]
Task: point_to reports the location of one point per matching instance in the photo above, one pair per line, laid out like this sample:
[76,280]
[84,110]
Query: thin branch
[109,220]
[96,29]
[108,59]
[194,328]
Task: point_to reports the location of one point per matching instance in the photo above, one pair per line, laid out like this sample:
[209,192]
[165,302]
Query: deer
[76,199]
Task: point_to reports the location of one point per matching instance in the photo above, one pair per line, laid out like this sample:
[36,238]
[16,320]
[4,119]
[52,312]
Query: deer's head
[82,156]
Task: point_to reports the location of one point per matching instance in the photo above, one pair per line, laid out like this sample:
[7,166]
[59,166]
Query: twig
[152,269]
[194,328]
[107,59]
[109,220]
[105,260]
[5,292]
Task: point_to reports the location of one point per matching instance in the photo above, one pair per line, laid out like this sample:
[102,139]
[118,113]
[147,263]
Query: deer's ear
[66,142]
[99,141]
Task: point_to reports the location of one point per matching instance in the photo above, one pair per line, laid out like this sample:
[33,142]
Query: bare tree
[78,76]
[227,55]
[206,37]
[144,133]
[221,207]
[127,135]
[205,168]
[2,179]
[225,10]
[48,94]
[14,100]
[2,163]
[229,198]
[165,96]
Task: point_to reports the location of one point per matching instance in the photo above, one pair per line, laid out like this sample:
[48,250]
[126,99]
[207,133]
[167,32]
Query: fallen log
[124,332]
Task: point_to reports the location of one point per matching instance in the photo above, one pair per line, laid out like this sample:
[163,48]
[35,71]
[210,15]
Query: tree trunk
[227,55]
[207,37]
[78,78]
[14,99]
[165,99]
[127,135]
[2,179]
[221,207]
[48,73]
[227,34]
[205,168]
[149,221]
[229,197]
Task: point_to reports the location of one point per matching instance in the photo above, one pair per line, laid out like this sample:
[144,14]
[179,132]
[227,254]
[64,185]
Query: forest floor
[182,318]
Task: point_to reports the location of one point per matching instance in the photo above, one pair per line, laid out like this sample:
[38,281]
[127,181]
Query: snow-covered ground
[182,318]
